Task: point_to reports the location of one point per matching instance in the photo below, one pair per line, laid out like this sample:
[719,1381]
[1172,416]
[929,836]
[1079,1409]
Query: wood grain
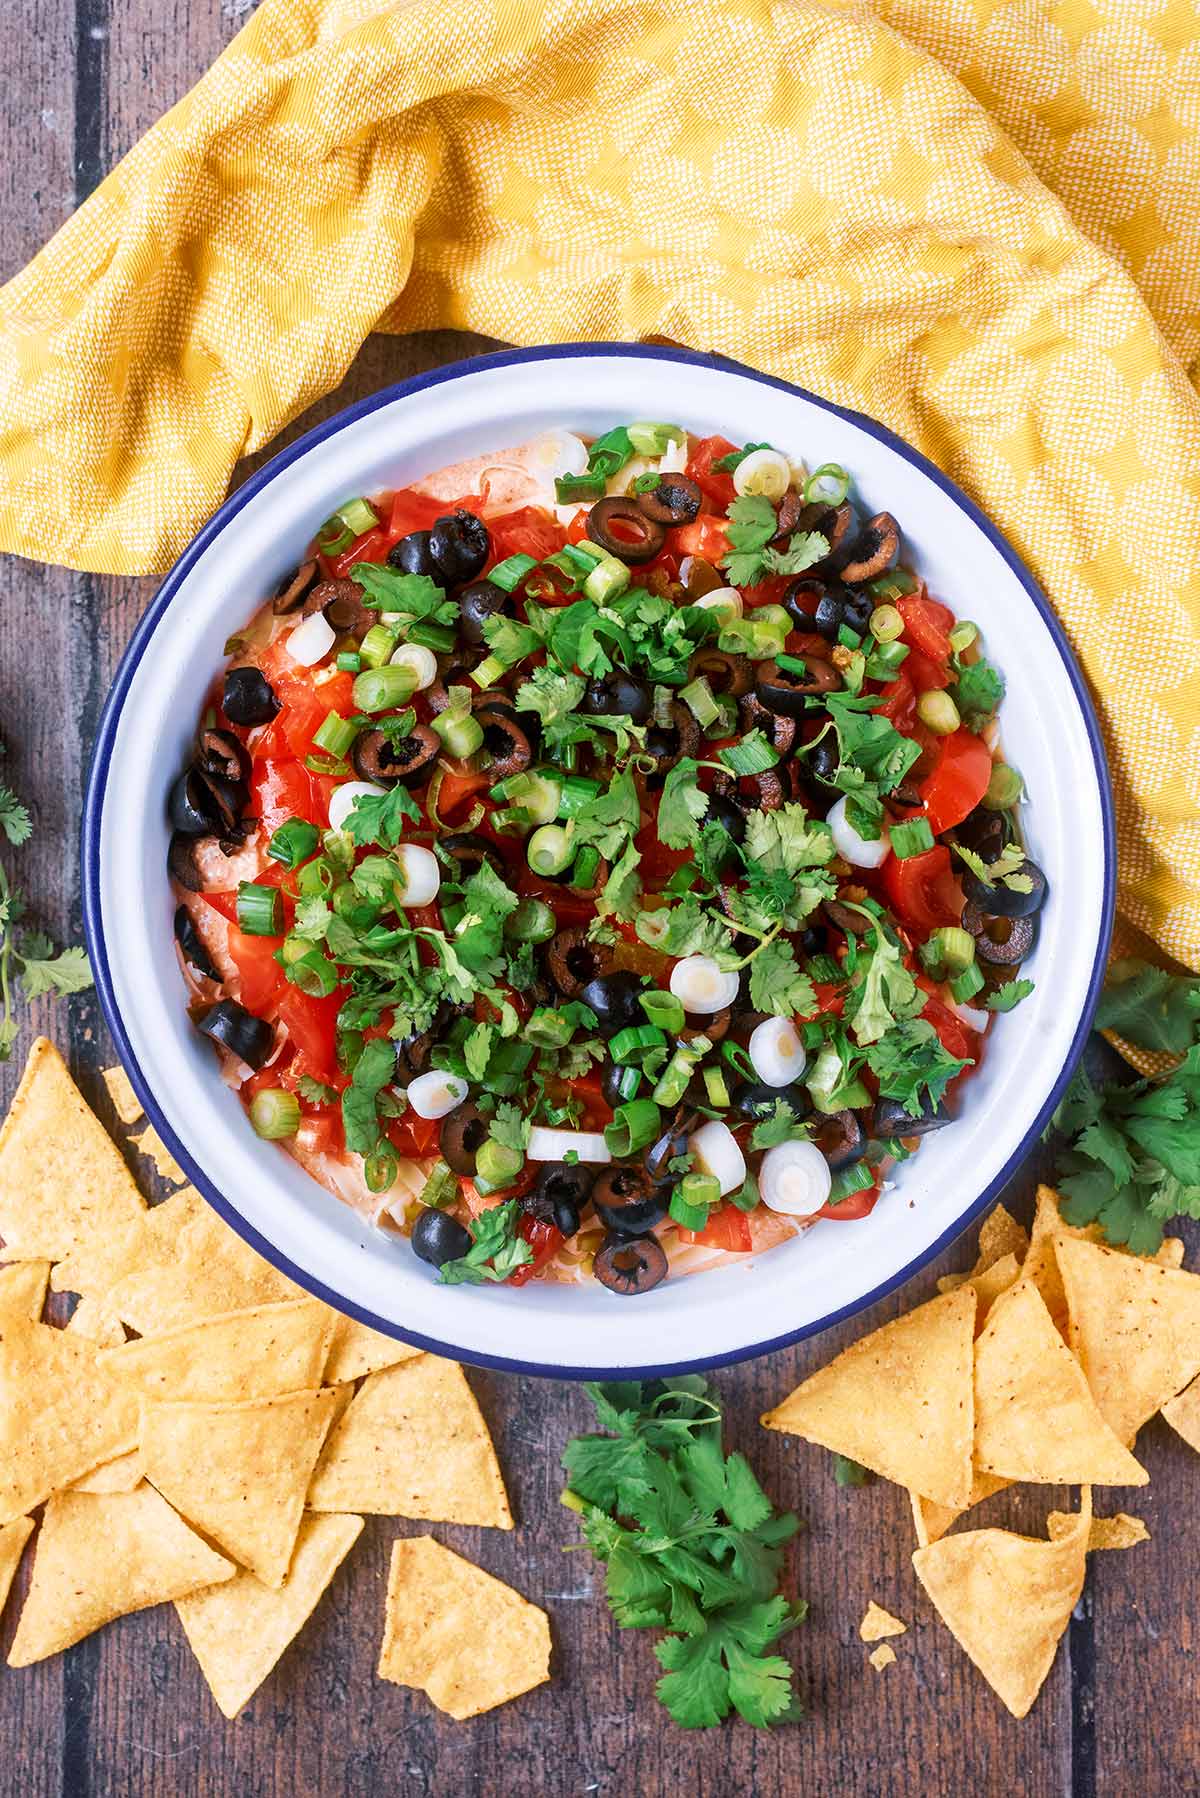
[126,1713]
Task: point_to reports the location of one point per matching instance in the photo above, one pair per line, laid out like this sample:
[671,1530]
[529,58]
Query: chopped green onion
[349,661]
[440,1188]
[439,637]
[293,842]
[587,866]
[655,439]
[636,1042]
[827,485]
[951,948]
[581,556]
[964,986]
[1004,789]
[664,1010]
[509,574]
[913,837]
[751,636]
[315,878]
[549,850]
[259,909]
[498,1164]
[726,720]
[700,1189]
[886,624]
[848,638]
[698,697]
[687,1216]
[385,689]
[314,974]
[715,1087]
[351,905]
[340,529]
[963,635]
[635,1125]
[673,1081]
[739,1060]
[377,646]
[540,795]
[938,712]
[848,1180]
[607,580]
[532,922]
[358,516]
[824,968]
[548,1029]
[571,487]
[336,734]
[275,1113]
[511,820]
[380,1168]
[489,671]
[886,659]
[892,586]
[576,795]
[792,665]
[646,483]
[628,1080]
[459,731]
[332,765]
[753,755]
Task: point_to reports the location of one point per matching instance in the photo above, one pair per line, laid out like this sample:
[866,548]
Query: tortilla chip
[1134,1328]
[23,1287]
[189,1265]
[356,1350]
[100,1558]
[240,1472]
[1183,1414]
[899,1401]
[150,1143]
[13,1537]
[1120,1531]
[257,1353]
[1041,1263]
[93,1319]
[121,1475]
[413,1443]
[467,1640]
[878,1623]
[64,1186]
[239,1630]
[126,1103]
[1035,1418]
[59,1415]
[932,1521]
[1007,1600]
[881,1657]
[999,1235]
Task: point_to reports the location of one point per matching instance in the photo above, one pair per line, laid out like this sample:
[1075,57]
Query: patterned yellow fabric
[976,219]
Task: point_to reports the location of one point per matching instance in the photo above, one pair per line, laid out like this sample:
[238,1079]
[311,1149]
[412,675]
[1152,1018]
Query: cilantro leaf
[728,463]
[681,805]
[67,972]
[496,1251]
[782,1125]
[752,524]
[977,691]
[315,1092]
[621,891]
[510,1128]
[380,817]
[883,990]
[509,641]
[1150,1007]
[375,1069]
[777,984]
[412,595]
[612,819]
[15,821]
[787,839]
[685,929]
[912,1067]
[1008,995]
[802,551]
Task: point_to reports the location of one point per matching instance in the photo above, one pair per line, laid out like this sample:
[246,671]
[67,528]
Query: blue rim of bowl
[102,754]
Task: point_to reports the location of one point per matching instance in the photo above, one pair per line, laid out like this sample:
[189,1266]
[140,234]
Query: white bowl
[746,1309]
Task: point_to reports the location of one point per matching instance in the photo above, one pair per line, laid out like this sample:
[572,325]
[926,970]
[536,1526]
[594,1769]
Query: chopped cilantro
[413,596]
[374,1069]
[728,463]
[496,1251]
[1008,995]
[782,1125]
[380,817]
[911,1065]
[681,805]
[977,691]
[315,1092]
[777,984]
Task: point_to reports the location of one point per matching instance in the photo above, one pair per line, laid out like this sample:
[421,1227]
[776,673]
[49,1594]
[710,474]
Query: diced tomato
[306,707]
[926,625]
[952,1032]
[413,1136]
[718,488]
[727,1228]
[416,512]
[225,903]
[544,1239]
[280,790]
[706,537]
[322,1133]
[372,546]
[924,889]
[526,532]
[925,674]
[577,530]
[568,907]
[769,593]
[262,978]
[900,703]
[957,780]
[322,787]
[857,1205]
[455,792]
[311,1025]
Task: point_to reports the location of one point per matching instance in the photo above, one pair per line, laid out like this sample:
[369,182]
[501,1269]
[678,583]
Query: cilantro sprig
[28,957]
[752,525]
[496,1251]
[692,1545]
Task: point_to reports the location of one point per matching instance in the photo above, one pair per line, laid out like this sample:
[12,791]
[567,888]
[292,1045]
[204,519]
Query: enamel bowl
[750,1307]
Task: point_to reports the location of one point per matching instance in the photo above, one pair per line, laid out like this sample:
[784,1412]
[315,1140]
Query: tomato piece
[952,1032]
[924,625]
[857,1205]
[321,1133]
[727,1228]
[770,592]
[261,977]
[417,511]
[225,903]
[454,793]
[706,537]
[413,1136]
[924,889]
[280,790]
[957,781]
[311,1025]
[544,1239]
[372,546]
[899,703]
[577,530]
[925,674]
[527,532]
[306,707]
[831,999]
[718,488]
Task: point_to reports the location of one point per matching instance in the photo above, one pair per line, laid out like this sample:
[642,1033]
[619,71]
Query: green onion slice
[293,842]
[910,838]
[509,574]
[259,909]
[275,1113]
[635,1125]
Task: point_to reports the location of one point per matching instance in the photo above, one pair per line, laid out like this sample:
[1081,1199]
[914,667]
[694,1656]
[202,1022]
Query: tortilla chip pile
[1039,1366]
[223,1459]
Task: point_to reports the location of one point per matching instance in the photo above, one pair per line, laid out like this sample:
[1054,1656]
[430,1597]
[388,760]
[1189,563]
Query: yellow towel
[976,219]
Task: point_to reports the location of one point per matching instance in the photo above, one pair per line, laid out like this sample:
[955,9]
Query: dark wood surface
[127,1714]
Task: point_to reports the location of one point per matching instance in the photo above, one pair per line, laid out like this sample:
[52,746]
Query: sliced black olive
[219,752]
[469,852]
[891,1119]
[984,831]
[630,1265]
[840,1139]
[293,587]
[702,578]
[627,1201]
[437,1238]
[780,691]
[461,1136]
[226,800]
[181,861]
[476,604]
[1001,900]
[779,729]
[247,697]
[192,944]
[845,918]
[251,1039]
[574,962]
[714,1028]
[823,759]
[504,740]
[1004,942]
[639,538]
[412,555]
[672,1143]
[190,804]
[619,695]
[872,552]
[560,1195]
[668,743]
[410,758]
[459,544]
[755,1099]
[343,606]
[801,598]
[834,523]
[840,606]
[614,999]
[725,673]
[814,939]
[787,517]
[413,1052]
[675,500]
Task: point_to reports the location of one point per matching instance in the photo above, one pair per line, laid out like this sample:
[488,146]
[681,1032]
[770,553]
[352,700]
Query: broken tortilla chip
[187,1265]
[882,1657]
[64,1187]
[1035,1418]
[1007,1600]
[102,1557]
[1134,1328]
[413,1443]
[1119,1531]
[1183,1414]
[151,1144]
[467,1640]
[932,1521]
[899,1401]
[356,1350]
[23,1287]
[239,1472]
[60,1416]
[878,1623]
[119,1475]
[126,1103]
[13,1537]
[257,1353]
[95,1322]
[239,1629]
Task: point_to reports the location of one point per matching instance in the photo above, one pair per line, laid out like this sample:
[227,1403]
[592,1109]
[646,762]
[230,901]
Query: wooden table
[127,1714]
